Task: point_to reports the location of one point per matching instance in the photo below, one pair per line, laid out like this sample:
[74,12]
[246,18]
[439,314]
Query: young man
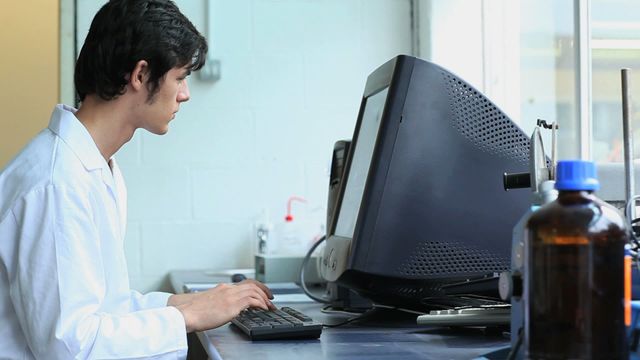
[64,290]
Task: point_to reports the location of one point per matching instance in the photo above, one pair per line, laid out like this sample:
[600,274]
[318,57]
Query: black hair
[124,32]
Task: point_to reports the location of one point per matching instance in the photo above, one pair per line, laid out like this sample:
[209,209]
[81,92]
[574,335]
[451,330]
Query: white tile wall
[293,72]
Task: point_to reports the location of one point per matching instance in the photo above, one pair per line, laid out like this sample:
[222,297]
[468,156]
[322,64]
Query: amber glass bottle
[574,272]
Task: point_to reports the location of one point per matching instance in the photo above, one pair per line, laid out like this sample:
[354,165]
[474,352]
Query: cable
[414,312]
[328,310]
[304,265]
[325,309]
[355,318]
[365,314]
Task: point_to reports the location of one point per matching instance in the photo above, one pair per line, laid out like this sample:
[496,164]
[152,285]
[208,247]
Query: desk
[388,335]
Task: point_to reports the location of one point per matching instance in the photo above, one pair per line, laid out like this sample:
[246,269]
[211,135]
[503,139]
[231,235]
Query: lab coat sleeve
[148,301]
[59,288]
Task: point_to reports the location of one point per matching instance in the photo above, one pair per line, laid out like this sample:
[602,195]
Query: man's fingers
[261,288]
[255,293]
[253,301]
[260,285]
[264,288]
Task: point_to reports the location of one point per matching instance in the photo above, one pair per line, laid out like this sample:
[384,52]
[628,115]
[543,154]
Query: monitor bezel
[390,75]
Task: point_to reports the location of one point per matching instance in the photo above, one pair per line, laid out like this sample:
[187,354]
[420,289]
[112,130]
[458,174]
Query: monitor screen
[360,164]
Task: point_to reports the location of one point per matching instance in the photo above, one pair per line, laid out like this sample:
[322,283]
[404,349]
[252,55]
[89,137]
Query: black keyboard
[284,323]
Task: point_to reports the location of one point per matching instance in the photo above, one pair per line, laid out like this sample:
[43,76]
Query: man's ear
[139,75]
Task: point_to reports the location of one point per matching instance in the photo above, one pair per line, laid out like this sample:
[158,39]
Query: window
[615,45]
[527,51]
[548,71]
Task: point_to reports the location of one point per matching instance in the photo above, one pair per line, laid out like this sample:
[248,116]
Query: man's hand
[215,307]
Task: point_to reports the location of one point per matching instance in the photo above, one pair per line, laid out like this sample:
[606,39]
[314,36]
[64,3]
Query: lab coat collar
[64,124]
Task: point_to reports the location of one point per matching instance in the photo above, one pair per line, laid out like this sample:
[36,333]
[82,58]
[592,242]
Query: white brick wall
[293,72]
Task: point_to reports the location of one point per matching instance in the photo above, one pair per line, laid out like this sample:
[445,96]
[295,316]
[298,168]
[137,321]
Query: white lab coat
[64,288]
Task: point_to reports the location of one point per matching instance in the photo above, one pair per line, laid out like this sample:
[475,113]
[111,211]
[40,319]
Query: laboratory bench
[386,334]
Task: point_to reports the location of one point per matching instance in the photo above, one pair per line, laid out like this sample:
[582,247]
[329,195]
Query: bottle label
[627,290]
[567,240]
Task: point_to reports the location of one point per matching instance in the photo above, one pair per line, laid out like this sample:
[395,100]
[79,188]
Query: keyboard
[283,323]
[471,316]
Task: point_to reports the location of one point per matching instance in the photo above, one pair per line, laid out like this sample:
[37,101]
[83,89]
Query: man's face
[165,103]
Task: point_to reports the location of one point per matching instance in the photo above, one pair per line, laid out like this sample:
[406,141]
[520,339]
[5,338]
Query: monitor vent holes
[483,123]
[440,258]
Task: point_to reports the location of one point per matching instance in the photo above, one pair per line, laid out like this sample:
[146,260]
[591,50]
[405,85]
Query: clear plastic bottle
[263,227]
[574,272]
[290,238]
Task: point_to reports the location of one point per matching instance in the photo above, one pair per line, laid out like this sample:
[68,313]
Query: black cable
[330,310]
[355,318]
[413,312]
[303,285]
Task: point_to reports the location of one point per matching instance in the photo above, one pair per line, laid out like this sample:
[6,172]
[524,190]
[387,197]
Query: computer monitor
[421,218]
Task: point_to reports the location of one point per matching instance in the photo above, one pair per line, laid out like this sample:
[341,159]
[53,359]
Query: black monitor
[421,218]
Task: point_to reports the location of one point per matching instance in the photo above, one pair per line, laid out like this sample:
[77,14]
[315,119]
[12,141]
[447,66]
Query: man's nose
[183,93]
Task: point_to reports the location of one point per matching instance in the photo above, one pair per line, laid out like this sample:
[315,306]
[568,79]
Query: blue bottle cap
[576,175]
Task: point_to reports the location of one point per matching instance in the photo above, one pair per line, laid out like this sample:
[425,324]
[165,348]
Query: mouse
[236,278]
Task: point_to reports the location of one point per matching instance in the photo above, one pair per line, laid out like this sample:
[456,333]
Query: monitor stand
[346,299]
